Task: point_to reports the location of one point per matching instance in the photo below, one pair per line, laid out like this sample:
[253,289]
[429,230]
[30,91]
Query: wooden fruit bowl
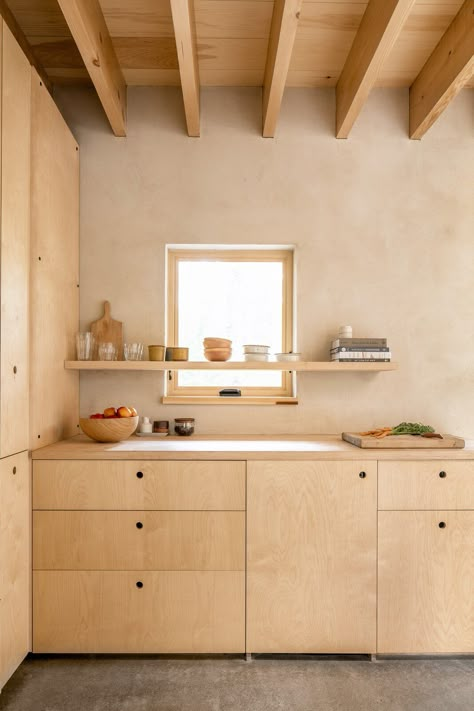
[113,429]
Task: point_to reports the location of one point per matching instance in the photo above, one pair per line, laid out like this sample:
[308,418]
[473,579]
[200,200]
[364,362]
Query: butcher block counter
[289,544]
[244,447]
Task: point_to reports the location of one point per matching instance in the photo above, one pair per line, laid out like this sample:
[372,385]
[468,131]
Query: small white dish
[286,357]
[263,357]
[256,349]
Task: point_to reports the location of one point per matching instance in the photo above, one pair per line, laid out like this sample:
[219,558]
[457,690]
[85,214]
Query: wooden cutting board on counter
[108,330]
[403,441]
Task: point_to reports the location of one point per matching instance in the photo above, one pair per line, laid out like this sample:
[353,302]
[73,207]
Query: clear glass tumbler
[107,351]
[133,351]
[84,346]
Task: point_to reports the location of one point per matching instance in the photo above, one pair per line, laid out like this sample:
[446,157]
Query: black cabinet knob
[139,584]
[14,470]
[139,475]
[15,370]
[442,524]
[442,475]
[139,524]
[362,475]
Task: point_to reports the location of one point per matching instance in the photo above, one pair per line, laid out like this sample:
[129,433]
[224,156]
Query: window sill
[213,400]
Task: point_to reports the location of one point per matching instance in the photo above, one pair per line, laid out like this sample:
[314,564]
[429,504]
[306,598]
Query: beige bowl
[156,352]
[217,354]
[113,429]
[217,343]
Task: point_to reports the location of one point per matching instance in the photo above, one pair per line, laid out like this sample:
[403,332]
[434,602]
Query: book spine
[360,360]
[351,342]
[360,349]
[360,354]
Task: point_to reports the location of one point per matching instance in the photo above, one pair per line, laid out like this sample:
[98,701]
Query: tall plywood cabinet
[15,506]
[54,391]
[15,238]
[39,264]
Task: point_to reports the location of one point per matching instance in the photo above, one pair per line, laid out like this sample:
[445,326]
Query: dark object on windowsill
[230,392]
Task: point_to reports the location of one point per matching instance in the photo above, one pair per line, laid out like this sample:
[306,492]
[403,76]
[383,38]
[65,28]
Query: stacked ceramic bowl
[255,352]
[216,349]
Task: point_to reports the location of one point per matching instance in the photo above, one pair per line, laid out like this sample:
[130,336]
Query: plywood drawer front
[139,540]
[131,485]
[173,612]
[426,582]
[426,485]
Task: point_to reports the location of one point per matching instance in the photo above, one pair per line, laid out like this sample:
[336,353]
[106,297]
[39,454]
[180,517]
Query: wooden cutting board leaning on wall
[107,330]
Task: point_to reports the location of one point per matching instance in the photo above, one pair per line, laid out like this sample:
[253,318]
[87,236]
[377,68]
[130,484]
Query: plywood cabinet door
[54,274]
[15,563]
[311,567]
[426,582]
[14,247]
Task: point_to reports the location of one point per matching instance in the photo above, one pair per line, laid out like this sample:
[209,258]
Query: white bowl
[284,357]
[256,349]
[263,357]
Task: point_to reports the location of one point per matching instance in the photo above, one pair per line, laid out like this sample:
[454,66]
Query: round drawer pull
[442,524]
[15,370]
[362,475]
[139,524]
[442,475]
[139,584]
[139,475]
[14,470]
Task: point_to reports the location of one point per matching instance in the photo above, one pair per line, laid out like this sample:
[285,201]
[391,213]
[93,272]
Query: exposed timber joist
[87,25]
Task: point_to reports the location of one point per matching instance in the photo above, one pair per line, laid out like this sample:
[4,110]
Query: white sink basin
[219,445]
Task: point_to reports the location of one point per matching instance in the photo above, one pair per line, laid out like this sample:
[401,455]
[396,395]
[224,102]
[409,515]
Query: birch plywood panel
[15,563]
[172,612]
[311,526]
[128,485]
[138,540]
[14,247]
[425,582]
[54,392]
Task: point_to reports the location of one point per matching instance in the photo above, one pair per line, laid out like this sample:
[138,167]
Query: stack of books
[360,350]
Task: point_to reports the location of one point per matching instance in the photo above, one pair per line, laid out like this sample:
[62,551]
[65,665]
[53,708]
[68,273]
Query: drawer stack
[133,556]
[426,557]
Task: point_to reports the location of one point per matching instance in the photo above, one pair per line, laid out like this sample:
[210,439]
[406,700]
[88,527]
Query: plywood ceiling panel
[232,39]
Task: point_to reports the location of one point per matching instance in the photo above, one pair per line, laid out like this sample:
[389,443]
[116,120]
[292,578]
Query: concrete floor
[231,684]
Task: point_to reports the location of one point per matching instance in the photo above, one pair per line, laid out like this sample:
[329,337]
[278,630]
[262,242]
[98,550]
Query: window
[245,295]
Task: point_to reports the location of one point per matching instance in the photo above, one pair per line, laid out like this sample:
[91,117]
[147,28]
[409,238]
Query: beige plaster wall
[383,228]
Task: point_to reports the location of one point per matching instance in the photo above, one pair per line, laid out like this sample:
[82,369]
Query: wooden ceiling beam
[286,14]
[381,24]
[87,25]
[19,35]
[448,69]
[185,33]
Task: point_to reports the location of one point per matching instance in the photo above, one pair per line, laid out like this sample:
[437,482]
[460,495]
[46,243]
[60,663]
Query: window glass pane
[242,301]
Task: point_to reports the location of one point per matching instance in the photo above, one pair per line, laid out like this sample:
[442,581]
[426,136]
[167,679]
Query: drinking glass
[107,351]
[133,351]
[84,345]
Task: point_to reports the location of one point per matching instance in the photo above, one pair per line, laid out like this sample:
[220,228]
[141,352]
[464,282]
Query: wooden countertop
[251,447]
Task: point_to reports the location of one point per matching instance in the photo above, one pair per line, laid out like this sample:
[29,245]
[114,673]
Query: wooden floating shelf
[300,366]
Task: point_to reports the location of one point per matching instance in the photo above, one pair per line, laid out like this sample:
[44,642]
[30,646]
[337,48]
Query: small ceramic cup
[156,352]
